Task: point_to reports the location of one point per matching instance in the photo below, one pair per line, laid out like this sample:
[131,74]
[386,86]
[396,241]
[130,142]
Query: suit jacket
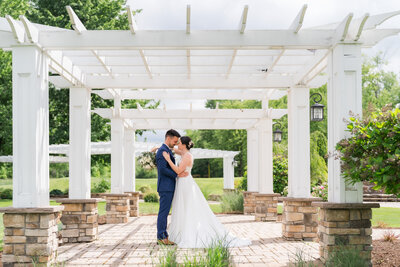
[166,176]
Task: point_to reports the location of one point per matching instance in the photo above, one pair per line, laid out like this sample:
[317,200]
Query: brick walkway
[134,244]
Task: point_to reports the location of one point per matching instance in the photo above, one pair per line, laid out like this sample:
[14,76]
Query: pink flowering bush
[320,191]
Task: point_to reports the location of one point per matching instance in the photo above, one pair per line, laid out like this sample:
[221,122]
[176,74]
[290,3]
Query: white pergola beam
[205,39]
[65,67]
[298,21]
[376,20]
[31,31]
[75,21]
[361,26]
[320,58]
[17,30]
[187,19]
[195,114]
[192,83]
[243,20]
[103,63]
[146,65]
[231,63]
[132,24]
[343,28]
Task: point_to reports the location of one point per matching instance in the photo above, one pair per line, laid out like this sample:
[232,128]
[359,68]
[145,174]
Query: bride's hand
[166,156]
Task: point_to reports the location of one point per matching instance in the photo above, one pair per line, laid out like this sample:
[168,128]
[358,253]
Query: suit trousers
[165,207]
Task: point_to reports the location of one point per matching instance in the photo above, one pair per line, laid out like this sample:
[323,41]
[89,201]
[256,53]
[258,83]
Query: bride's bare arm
[182,166]
[154,149]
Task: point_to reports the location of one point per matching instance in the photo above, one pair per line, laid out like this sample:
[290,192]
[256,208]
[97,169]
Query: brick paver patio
[134,244]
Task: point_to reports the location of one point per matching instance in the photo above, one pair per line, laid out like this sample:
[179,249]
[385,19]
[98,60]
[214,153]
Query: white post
[265,154]
[30,127]
[229,173]
[298,142]
[344,95]
[252,160]
[79,143]
[117,149]
[129,158]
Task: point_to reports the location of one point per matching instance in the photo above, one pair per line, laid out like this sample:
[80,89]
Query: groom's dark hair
[172,133]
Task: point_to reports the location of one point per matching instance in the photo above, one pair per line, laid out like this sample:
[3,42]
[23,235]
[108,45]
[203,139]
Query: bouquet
[148,160]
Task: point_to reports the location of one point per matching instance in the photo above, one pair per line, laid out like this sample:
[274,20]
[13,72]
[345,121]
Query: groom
[166,185]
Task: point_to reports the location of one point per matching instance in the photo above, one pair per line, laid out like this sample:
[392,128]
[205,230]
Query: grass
[390,216]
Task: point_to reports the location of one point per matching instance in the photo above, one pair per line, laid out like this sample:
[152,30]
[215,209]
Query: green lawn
[390,216]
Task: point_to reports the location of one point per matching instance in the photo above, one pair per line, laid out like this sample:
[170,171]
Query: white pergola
[146,64]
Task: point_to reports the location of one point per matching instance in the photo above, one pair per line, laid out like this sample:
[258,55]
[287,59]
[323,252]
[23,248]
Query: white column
[252,160]
[117,155]
[229,173]
[30,127]
[265,154]
[129,158]
[299,142]
[79,143]
[344,95]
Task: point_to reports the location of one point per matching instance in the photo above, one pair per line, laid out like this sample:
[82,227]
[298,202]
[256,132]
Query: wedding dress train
[193,224]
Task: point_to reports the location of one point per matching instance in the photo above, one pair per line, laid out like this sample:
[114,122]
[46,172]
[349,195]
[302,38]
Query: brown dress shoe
[165,242]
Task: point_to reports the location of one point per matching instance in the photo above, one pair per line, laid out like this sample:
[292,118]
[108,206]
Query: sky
[262,14]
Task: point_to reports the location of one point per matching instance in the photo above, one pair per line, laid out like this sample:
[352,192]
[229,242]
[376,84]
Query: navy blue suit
[165,188]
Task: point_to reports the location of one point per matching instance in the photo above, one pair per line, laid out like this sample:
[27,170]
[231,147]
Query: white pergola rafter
[184,94]
[245,114]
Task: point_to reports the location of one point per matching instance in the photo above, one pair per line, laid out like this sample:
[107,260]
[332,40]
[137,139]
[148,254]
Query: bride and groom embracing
[193,224]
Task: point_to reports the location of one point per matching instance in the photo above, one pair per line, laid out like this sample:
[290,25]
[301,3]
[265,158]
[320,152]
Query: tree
[380,87]
[13,8]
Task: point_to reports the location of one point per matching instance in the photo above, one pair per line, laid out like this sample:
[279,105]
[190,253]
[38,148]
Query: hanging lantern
[317,110]
[277,133]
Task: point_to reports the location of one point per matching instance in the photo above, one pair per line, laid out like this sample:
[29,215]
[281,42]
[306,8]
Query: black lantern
[277,133]
[317,110]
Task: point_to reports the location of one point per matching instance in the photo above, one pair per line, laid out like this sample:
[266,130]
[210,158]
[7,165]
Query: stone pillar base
[117,208]
[299,219]
[249,203]
[133,204]
[30,235]
[347,224]
[79,219]
[266,207]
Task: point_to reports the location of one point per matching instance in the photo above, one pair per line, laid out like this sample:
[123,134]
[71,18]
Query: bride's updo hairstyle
[187,141]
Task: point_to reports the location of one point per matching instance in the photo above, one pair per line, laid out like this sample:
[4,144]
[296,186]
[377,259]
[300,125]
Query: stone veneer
[299,219]
[117,208]
[79,219]
[249,203]
[133,204]
[30,236]
[266,207]
[346,224]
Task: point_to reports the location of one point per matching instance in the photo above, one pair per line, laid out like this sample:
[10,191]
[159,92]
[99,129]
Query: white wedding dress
[193,224]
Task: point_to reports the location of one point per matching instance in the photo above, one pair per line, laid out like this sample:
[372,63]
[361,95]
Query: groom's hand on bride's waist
[183,174]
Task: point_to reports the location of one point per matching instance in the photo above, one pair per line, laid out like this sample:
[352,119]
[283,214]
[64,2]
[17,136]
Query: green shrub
[145,189]
[3,172]
[6,193]
[151,197]
[58,170]
[56,192]
[101,187]
[232,202]
[280,174]
[346,256]
[242,185]
[372,152]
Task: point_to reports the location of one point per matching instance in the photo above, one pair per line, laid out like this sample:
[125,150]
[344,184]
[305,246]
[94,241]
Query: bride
[193,224]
